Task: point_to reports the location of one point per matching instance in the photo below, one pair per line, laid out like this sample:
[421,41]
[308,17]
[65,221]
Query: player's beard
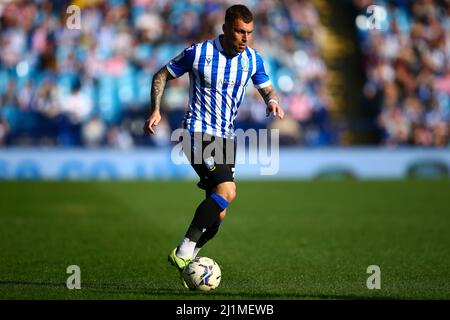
[235,45]
[240,47]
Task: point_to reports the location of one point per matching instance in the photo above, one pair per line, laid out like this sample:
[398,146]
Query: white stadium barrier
[157,164]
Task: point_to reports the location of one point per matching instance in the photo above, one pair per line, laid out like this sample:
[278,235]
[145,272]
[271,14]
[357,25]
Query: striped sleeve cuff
[263,85]
[171,71]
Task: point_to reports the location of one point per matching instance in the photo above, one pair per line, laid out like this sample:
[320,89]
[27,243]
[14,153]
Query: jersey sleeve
[182,63]
[260,78]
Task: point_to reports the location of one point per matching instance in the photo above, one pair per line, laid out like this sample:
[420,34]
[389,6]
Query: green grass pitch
[280,240]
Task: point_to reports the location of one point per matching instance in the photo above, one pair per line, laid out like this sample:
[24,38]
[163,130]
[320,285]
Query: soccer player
[219,71]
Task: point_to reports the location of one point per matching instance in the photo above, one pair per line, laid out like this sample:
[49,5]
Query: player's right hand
[153,120]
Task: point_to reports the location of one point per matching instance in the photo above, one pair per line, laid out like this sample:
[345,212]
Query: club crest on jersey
[209,163]
[245,64]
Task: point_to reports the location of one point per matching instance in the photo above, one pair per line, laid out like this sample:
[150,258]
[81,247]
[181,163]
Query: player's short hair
[238,11]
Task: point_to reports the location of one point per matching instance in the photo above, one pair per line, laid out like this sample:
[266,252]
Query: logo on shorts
[209,163]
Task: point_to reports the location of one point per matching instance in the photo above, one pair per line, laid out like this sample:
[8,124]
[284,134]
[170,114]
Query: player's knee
[230,195]
[227,190]
[230,192]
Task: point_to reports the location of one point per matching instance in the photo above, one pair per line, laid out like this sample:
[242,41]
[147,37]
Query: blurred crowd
[407,62]
[90,86]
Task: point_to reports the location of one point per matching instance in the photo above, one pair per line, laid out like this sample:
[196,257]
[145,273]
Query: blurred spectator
[289,130]
[46,100]
[93,132]
[407,64]
[3,131]
[175,100]
[76,105]
[119,138]
[81,86]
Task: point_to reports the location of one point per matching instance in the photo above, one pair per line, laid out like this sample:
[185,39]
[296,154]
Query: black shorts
[213,158]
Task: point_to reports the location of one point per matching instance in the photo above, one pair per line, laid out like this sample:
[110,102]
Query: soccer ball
[202,274]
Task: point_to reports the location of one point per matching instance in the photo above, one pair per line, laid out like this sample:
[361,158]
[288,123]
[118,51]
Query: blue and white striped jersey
[217,84]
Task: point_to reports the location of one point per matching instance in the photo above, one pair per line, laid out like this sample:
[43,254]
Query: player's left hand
[275,109]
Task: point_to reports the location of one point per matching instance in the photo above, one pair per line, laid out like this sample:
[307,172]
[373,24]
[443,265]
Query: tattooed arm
[272,101]
[158,85]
